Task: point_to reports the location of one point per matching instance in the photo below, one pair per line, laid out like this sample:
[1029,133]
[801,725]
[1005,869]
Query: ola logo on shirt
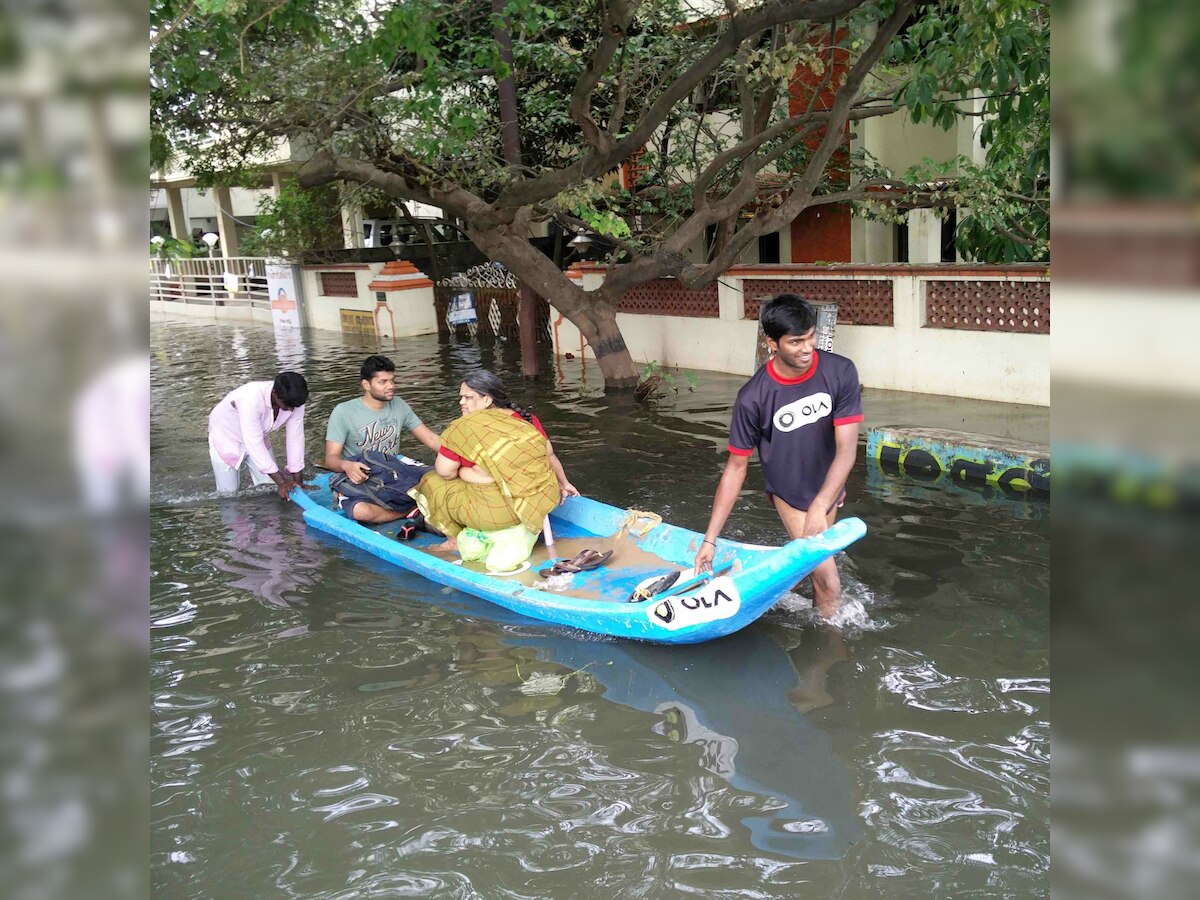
[802,412]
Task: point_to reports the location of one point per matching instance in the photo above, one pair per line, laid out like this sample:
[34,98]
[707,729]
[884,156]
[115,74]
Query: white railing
[239,281]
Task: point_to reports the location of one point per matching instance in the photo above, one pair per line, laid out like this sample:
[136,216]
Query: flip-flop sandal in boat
[410,527]
[583,561]
[651,587]
[595,560]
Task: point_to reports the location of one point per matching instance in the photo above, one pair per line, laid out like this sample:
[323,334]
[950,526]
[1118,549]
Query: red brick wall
[822,233]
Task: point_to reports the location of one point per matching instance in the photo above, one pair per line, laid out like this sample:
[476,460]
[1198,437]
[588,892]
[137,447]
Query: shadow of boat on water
[731,697]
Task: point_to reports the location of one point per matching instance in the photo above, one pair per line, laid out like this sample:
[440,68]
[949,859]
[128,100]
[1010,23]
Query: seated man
[372,422]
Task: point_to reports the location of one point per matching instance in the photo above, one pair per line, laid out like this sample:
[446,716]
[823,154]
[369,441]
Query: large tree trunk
[599,328]
[595,318]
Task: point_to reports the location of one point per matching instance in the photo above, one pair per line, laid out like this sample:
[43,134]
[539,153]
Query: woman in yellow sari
[494,470]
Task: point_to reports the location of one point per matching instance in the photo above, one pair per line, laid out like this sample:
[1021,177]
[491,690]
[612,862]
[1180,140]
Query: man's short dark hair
[291,389]
[374,364]
[787,314]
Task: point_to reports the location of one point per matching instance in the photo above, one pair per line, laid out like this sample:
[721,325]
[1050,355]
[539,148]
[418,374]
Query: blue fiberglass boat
[749,579]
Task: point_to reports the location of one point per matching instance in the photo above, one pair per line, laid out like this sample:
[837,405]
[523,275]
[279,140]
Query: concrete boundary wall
[909,355]
[244,313]
[407,307]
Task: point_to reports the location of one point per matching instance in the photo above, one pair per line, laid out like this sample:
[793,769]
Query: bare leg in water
[827,584]
[372,514]
[820,649]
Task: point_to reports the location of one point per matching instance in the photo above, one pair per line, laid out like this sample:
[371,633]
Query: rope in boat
[632,523]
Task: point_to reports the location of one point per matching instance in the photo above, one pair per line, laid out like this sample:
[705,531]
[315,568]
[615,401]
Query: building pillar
[352,226]
[226,227]
[730,302]
[967,132]
[33,135]
[176,216]
[924,236]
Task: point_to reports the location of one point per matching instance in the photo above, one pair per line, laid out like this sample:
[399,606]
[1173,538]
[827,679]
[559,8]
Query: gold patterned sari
[511,451]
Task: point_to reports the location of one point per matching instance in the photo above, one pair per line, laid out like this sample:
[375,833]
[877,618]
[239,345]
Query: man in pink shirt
[239,428]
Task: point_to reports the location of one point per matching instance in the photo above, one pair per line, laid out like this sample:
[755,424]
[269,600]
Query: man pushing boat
[801,412]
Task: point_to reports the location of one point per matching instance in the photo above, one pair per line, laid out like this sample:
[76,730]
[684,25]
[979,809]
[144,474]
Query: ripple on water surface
[325,726]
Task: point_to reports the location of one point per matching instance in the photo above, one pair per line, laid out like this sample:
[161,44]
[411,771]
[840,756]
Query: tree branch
[740,27]
[616,24]
[801,196]
[746,147]
[164,33]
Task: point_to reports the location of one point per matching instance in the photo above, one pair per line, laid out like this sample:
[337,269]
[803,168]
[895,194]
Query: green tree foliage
[996,52]
[401,96]
[1126,104]
[297,223]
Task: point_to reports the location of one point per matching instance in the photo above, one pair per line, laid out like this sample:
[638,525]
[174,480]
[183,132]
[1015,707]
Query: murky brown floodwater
[326,726]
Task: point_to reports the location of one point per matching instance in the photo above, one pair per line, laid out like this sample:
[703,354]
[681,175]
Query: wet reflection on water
[325,725]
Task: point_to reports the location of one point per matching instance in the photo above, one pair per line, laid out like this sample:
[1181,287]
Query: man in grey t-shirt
[372,422]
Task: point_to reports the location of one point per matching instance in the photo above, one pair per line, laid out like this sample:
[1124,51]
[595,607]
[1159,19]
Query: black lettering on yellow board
[1014,480]
[922,465]
[889,458]
[970,470]
[1039,475]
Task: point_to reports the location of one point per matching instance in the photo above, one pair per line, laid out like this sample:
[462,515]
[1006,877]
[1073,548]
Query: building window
[949,225]
[338,284]
[900,239]
[768,247]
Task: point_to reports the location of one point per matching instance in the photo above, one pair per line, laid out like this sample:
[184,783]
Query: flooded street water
[325,725]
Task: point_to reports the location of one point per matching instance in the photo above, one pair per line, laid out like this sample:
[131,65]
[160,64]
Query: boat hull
[754,578]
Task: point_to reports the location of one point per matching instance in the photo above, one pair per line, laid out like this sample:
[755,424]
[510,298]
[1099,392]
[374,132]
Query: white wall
[211,311]
[201,209]
[1012,368]
[899,144]
[412,310]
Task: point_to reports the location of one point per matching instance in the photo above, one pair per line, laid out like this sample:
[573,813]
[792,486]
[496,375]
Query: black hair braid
[484,382]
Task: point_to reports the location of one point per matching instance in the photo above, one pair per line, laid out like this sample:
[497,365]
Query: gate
[497,301]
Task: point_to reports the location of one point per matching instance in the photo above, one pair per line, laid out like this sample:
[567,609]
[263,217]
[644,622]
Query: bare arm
[730,486]
[846,441]
[355,471]
[446,467]
[556,466]
[428,437]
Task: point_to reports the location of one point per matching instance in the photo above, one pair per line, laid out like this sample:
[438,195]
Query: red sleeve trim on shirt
[738,451]
[848,420]
[454,457]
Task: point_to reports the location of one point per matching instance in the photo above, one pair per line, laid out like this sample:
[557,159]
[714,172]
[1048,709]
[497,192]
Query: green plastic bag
[473,544]
[510,547]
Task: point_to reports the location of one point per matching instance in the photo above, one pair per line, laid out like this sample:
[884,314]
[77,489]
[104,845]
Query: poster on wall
[281,288]
[285,313]
[826,326]
[461,310]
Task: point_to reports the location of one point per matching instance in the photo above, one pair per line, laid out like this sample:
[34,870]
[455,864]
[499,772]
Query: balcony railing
[239,281]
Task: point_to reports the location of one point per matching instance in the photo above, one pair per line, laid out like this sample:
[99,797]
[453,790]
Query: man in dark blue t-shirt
[801,412]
